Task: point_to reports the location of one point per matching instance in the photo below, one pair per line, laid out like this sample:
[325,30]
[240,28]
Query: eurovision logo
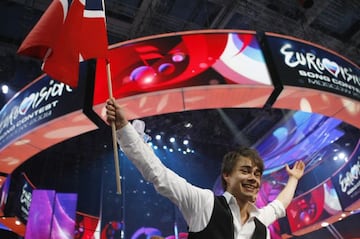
[311,62]
[331,66]
[26,104]
[349,181]
[31,106]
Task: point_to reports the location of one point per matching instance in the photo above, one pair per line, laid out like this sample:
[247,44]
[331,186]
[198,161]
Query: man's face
[244,180]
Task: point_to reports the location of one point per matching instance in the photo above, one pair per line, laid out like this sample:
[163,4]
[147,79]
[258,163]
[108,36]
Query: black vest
[221,224]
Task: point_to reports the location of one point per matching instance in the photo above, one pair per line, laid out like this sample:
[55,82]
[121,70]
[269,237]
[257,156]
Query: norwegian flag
[68,32]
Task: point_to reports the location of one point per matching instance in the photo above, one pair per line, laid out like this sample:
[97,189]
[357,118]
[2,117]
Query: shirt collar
[253,210]
[229,197]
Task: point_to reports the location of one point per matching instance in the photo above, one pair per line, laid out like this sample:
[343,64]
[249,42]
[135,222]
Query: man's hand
[115,114]
[297,171]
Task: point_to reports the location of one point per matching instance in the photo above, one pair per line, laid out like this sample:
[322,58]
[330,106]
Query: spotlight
[158,137]
[324,224]
[342,155]
[186,142]
[172,140]
[5,89]
[188,125]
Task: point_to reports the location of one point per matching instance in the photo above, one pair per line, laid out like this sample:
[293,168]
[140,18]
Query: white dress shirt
[196,204]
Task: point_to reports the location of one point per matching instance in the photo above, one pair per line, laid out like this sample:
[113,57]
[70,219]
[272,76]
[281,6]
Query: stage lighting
[341,156]
[188,125]
[324,224]
[5,89]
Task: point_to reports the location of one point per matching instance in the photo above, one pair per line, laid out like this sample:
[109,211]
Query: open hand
[297,171]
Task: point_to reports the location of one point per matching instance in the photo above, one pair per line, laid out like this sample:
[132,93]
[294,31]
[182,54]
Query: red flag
[68,32]
[94,36]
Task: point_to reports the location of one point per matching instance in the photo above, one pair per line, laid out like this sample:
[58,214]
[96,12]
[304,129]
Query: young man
[230,216]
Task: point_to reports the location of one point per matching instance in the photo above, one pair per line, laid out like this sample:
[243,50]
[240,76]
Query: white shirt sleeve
[195,203]
[271,212]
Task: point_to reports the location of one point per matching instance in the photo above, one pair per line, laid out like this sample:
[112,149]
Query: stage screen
[63,220]
[347,180]
[86,226]
[4,192]
[42,101]
[23,201]
[304,64]
[320,203]
[183,60]
[40,215]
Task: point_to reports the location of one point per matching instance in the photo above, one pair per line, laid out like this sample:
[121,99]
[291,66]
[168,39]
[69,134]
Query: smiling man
[232,215]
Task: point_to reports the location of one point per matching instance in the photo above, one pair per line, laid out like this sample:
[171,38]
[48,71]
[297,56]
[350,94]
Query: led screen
[63,220]
[297,138]
[42,114]
[314,206]
[22,208]
[4,194]
[183,60]
[347,180]
[52,215]
[304,64]
[40,102]
[40,215]
[85,226]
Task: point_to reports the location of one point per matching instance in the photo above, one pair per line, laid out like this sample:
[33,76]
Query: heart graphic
[331,66]
[26,103]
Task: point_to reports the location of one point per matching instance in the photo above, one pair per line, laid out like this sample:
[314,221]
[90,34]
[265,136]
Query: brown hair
[231,158]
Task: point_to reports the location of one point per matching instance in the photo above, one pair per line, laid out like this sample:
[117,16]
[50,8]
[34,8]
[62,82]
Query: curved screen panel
[304,64]
[313,207]
[313,78]
[185,71]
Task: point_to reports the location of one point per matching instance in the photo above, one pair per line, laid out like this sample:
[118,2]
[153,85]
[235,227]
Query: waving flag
[68,32]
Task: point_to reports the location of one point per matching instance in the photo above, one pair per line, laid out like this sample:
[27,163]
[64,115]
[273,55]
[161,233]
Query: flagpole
[113,131]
